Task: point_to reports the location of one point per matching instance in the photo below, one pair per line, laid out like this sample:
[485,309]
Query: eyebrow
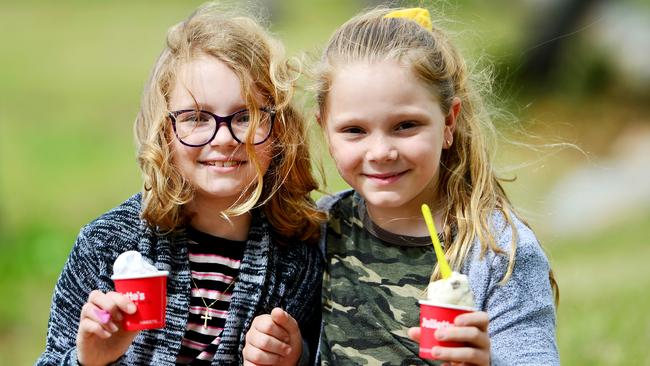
[207,108]
[419,114]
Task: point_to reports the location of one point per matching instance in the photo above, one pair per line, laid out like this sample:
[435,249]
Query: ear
[319,118]
[450,123]
[450,119]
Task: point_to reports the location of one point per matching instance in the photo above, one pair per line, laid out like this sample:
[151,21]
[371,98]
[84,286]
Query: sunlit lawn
[71,74]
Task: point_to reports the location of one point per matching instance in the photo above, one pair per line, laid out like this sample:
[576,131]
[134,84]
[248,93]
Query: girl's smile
[385,178]
[223,163]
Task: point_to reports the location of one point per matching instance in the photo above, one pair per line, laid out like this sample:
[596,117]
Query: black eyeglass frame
[220,120]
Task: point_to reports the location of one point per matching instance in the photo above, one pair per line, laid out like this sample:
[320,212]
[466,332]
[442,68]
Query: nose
[223,136]
[381,149]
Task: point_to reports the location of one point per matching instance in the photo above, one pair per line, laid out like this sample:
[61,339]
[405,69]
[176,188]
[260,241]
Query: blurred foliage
[71,74]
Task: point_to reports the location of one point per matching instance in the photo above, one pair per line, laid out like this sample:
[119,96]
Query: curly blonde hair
[259,62]
[473,190]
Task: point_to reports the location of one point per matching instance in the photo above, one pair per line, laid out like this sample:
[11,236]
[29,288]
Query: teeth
[223,164]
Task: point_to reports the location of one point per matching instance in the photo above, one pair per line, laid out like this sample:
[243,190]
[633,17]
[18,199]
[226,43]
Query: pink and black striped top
[214,265]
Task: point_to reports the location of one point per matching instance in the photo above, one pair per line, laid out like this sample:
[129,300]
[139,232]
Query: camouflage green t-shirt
[371,286]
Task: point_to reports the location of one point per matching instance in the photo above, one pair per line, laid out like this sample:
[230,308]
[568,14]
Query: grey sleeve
[77,280]
[522,311]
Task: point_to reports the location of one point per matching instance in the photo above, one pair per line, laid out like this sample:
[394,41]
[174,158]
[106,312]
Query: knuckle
[245,352]
[265,326]
[95,294]
[90,326]
[266,342]
[473,354]
[116,296]
[258,320]
[474,333]
[85,309]
[250,336]
[256,355]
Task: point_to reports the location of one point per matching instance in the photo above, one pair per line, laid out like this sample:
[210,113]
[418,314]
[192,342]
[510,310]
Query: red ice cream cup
[149,294]
[434,316]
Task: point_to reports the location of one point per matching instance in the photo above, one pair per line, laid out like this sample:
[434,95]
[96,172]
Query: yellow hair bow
[418,15]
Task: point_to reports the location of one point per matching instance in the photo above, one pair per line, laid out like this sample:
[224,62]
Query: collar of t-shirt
[387,236]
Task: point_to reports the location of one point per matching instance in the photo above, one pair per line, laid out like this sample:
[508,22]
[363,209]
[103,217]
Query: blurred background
[566,72]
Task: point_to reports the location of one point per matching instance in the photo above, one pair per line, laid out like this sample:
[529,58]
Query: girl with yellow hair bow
[405,128]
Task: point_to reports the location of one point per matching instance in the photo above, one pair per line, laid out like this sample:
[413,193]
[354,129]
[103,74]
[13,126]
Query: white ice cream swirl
[454,290]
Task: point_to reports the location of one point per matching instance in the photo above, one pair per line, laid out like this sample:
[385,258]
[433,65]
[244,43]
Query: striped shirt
[214,265]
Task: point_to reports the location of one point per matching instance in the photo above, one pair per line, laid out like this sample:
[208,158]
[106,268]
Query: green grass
[71,74]
[604,278]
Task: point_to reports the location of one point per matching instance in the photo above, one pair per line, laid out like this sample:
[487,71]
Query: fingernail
[440,335]
[131,308]
[113,327]
[104,316]
[287,351]
[436,351]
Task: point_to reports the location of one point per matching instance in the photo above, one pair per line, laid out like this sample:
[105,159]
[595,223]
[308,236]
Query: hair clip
[418,15]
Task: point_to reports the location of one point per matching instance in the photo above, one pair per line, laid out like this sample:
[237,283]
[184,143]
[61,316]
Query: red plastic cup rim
[457,307]
[148,275]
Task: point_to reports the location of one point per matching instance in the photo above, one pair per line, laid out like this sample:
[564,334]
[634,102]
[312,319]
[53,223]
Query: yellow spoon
[442,261]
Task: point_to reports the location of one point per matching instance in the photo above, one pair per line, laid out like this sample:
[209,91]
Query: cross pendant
[206,316]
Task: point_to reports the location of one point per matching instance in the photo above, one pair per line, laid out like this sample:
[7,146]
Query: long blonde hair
[259,62]
[473,190]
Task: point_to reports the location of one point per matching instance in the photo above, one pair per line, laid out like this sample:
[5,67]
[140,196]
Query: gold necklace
[206,316]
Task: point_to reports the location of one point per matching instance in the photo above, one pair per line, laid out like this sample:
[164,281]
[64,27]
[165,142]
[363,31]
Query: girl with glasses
[225,209]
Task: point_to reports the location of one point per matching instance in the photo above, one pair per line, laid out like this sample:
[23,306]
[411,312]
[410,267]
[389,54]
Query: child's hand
[99,339]
[470,328]
[273,339]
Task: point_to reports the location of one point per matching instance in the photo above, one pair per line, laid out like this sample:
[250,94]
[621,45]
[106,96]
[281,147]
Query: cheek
[345,155]
[180,152]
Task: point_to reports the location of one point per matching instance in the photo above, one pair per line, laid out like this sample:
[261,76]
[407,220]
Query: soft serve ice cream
[454,290]
[132,264]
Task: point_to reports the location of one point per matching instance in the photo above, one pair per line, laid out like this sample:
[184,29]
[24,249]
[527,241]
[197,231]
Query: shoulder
[517,236]
[328,202]
[340,208]
[298,254]
[120,225]
[99,243]
[517,242]
[511,236]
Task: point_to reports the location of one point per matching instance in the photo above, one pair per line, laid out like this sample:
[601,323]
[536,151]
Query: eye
[352,130]
[406,125]
[193,117]
[242,118]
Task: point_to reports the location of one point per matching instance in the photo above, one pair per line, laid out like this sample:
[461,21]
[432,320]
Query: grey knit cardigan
[521,311]
[270,276]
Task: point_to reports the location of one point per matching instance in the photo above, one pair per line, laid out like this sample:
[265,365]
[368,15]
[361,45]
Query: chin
[219,193]
[384,199]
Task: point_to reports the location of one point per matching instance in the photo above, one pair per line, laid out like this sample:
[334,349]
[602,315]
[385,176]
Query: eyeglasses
[198,128]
